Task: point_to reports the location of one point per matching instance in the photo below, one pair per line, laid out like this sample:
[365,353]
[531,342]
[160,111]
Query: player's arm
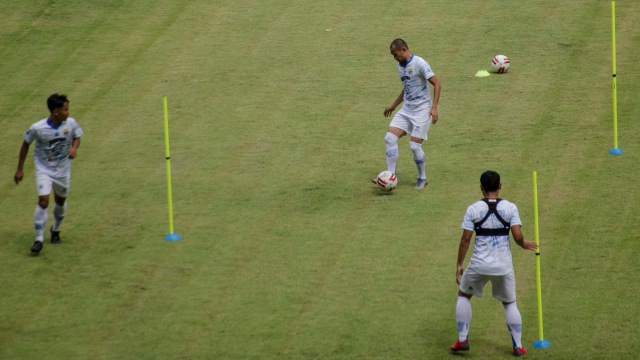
[516,231]
[465,240]
[389,109]
[436,98]
[75,144]
[24,150]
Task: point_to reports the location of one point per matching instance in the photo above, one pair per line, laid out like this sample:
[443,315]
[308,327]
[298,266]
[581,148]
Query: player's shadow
[18,243]
[380,192]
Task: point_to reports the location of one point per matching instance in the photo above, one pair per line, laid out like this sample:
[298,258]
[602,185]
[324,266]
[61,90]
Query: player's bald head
[398,44]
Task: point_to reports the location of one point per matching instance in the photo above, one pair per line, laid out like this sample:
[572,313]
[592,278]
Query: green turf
[276,125]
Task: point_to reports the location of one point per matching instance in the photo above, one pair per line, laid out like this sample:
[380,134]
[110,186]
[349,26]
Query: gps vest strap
[502,231]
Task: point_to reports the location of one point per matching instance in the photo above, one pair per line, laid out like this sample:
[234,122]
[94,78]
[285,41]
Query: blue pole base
[616,151]
[541,344]
[173,237]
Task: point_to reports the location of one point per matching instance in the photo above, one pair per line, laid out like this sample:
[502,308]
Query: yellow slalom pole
[172,236]
[616,150]
[541,343]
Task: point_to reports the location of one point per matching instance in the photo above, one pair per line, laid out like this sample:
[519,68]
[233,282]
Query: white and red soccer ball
[500,64]
[387,180]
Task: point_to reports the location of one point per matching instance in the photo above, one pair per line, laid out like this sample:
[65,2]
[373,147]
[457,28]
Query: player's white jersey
[491,254]
[414,76]
[52,145]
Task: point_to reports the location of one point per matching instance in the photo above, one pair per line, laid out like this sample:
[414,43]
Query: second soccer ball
[500,64]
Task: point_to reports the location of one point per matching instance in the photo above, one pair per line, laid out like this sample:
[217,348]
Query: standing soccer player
[492,219]
[418,112]
[57,139]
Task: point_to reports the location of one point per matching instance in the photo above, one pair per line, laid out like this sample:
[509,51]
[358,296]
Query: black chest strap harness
[493,204]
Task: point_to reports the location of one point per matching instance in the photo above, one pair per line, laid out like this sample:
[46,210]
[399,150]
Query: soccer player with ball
[492,219]
[418,112]
[57,139]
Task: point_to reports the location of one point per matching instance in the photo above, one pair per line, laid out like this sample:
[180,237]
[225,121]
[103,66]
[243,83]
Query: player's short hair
[399,44]
[490,181]
[56,101]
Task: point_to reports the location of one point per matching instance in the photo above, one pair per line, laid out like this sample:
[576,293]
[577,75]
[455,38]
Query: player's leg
[504,289]
[60,191]
[471,284]
[514,324]
[44,185]
[59,211]
[40,216]
[420,121]
[398,127]
[463,319]
[420,159]
[391,144]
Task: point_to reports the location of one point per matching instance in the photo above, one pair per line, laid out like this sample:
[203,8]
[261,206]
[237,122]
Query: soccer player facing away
[492,219]
[57,139]
[418,112]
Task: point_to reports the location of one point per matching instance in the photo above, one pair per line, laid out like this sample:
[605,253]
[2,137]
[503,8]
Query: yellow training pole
[616,150]
[172,236]
[541,343]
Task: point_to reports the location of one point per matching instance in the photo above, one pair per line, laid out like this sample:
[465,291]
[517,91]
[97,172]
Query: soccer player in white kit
[418,112]
[492,219]
[57,139]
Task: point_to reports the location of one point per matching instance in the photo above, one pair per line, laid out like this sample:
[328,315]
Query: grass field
[276,124]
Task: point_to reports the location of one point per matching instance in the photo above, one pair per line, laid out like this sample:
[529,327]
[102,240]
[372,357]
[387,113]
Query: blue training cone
[542,344]
[173,237]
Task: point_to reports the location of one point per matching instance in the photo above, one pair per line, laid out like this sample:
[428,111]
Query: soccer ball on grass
[500,64]
[387,180]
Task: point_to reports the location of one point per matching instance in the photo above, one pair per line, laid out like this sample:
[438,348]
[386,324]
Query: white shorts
[45,183]
[415,123]
[503,287]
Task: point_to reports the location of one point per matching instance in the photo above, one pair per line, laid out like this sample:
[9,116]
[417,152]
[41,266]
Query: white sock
[514,324]
[419,158]
[40,220]
[391,142]
[463,317]
[58,216]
